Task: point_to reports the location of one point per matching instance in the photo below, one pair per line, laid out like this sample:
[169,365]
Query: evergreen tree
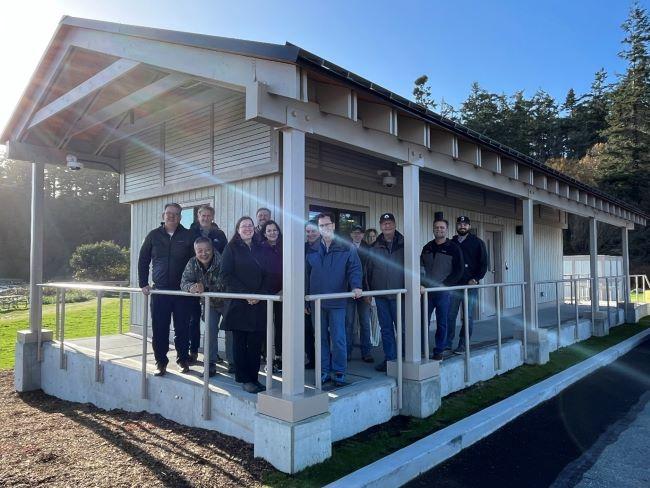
[422,92]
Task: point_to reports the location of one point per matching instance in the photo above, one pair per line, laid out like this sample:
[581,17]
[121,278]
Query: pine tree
[422,92]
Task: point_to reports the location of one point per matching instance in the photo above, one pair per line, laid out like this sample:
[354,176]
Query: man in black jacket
[475,259]
[359,308]
[441,264]
[168,249]
[205,227]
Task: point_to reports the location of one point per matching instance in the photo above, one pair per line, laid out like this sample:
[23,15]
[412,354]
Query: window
[343,218]
[189,213]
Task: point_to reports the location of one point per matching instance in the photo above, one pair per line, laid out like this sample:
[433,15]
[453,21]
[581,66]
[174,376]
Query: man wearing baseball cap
[475,267]
[385,271]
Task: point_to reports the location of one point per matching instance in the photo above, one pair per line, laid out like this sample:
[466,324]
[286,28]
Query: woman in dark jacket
[272,251]
[242,272]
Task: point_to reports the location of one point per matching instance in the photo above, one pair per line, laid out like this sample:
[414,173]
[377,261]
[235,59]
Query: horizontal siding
[142,158]
[188,150]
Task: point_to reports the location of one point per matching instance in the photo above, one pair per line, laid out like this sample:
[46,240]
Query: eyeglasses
[323,226]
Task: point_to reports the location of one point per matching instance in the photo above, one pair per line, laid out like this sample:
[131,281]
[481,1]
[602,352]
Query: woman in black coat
[272,251]
[242,272]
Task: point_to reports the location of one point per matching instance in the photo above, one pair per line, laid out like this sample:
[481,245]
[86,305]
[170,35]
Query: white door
[494,275]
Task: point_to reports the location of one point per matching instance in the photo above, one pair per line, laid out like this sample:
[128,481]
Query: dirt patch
[47,441]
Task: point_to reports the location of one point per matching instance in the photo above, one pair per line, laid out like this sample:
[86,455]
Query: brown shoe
[161,369]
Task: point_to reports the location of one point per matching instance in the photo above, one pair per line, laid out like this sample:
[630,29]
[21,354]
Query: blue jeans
[332,327]
[387,315]
[215,317]
[439,301]
[362,308]
[454,307]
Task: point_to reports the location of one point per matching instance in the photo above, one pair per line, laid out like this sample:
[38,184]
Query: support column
[292,427]
[27,375]
[420,377]
[599,322]
[537,343]
[629,314]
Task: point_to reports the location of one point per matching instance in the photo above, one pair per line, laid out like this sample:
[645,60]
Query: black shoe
[192,358]
[460,350]
[277,366]
[381,367]
[231,368]
[260,386]
[310,365]
[368,359]
[212,371]
[250,387]
[437,356]
[339,381]
[184,366]
[219,360]
[161,369]
[448,348]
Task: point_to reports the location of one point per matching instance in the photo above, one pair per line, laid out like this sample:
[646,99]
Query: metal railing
[101,290]
[574,299]
[645,285]
[497,299]
[317,299]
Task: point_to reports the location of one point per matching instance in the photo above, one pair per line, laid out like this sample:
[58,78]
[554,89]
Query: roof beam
[21,151]
[131,101]
[104,77]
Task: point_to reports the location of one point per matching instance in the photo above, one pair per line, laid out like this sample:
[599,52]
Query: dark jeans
[277,327]
[247,349]
[310,347]
[387,315]
[163,308]
[439,301]
[195,325]
[455,305]
[361,308]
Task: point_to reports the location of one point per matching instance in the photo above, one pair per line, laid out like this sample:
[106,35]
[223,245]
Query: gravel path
[47,441]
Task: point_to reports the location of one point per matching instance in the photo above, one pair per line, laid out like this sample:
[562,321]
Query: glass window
[189,216]
[343,218]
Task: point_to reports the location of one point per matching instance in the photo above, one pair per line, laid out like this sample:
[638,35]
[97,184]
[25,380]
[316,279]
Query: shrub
[100,261]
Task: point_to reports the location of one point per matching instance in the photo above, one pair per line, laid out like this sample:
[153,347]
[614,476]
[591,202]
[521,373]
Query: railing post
[616,280]
[636,288]
[399,350]
[270,334]
[63,364]
[609,311]
[523,318]
[39,334]
[99,376]
[120,317]
[57,311]
[576,310]
[497,298]
[643,287]
[466,327]
[317,345]
[206,359]
[425,315]
[558,313]
[145,321]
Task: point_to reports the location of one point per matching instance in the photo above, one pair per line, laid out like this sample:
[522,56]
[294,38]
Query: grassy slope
[79,322]
[351,454]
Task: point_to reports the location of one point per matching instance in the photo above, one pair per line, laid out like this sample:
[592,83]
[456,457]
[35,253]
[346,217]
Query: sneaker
[448,348]
[212,370]
[368,359]
[193,358]
[184,366]
[339,381]
[437,356]
[325,379]
[381,367]
[161,369]
[260,386]
[460,350]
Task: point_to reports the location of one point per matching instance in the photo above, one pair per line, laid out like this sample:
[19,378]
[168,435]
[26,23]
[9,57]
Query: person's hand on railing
[422,290]
[146,289]
[197,288]
[357,292]
[252,301]
[472,282]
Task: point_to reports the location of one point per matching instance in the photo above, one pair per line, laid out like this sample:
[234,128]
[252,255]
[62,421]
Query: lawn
[79,322]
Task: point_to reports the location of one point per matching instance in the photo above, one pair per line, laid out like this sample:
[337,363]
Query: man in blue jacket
[476,262]
[332,266]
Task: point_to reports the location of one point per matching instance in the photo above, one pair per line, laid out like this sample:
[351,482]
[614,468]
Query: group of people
[201,259]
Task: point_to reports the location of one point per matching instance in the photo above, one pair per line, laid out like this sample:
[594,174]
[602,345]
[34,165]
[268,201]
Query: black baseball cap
[386,216]
[356,227]
[463,219]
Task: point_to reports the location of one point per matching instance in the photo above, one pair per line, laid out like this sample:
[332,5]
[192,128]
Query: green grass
[358,451]
[79,322]
[640,297]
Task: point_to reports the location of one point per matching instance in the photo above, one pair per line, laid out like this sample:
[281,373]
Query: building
[199,119]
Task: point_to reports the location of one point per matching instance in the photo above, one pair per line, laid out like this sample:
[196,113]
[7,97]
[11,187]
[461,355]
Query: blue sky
[505,45]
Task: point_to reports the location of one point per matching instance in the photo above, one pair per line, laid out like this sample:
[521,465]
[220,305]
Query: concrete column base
[600,325]
[27,371]
[292,446]
[538,345]
[421,395]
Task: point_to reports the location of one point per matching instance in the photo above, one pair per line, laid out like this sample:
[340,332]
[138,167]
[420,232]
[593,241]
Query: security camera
[388,181]
[387,178]
[72,163]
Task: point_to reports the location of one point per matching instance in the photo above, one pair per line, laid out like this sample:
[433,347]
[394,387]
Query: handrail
[102,289]
[497,299]
[318,298]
